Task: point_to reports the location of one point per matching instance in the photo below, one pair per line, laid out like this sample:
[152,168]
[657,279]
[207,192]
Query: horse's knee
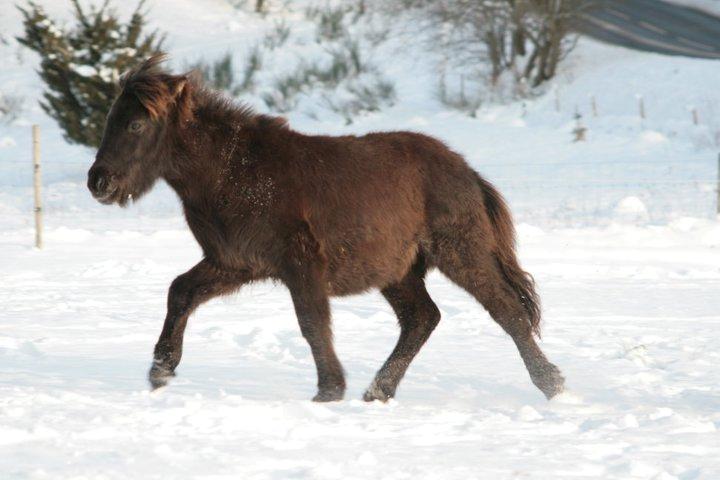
[181,294]
[432,316]
[423,318]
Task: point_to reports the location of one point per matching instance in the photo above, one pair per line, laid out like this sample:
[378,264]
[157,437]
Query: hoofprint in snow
[631,318]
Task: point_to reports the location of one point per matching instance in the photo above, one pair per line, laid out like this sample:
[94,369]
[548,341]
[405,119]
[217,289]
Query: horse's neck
[190,180]
[189,164]
[199,164]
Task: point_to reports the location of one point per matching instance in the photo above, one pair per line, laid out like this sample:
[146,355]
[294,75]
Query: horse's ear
[122,81]
[177,85]
[281,122]
[194,76]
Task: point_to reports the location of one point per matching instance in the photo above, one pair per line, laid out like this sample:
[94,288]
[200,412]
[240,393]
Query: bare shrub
[522,41]
[258,6]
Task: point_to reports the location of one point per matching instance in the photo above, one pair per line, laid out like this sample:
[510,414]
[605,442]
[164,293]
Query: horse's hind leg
[418,316]
[480,274]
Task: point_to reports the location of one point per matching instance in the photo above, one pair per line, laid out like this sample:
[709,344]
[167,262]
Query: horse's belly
[360,264]
[371,235]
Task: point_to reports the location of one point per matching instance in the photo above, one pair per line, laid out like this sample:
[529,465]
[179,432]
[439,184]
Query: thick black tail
[519,280]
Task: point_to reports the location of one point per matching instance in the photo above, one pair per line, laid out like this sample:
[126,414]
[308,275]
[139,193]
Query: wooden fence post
[579,130]
[37,182]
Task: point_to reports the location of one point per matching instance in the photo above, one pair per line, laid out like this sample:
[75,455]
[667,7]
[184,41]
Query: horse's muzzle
[101,184]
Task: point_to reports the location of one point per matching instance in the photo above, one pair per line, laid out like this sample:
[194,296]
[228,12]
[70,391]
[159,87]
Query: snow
[632,210]
[631,318]
[84,70]
[7,142]
[710,6]
[619,231]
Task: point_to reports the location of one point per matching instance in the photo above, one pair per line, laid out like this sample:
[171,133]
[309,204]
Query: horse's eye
[136,126]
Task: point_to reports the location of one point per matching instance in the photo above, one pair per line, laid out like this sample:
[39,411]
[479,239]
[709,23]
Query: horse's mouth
[114,195]
[108,188]
[108,197]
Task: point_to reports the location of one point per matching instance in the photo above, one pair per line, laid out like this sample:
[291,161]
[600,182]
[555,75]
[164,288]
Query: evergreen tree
[81,65]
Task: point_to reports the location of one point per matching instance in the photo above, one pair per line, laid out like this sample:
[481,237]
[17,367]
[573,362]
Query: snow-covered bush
[220,75]
[259,6]
[81,65]
[277,36]
[329,21]
[631,210]
[329,70]
[461,95]
[364,95]
[346,76]
[10,107]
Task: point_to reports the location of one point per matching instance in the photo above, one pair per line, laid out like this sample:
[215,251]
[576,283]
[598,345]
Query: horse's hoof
[329,395]
[159,376]
[551,383]
[554,390]
[376,392]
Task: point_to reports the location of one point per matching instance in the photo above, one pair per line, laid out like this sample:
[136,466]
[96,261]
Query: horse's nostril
[98,180]
[100,184]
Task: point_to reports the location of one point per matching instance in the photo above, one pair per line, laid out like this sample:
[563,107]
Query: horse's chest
[243,191]
[232,236]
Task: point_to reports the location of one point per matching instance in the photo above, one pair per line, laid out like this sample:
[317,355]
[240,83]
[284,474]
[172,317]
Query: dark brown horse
[326,216]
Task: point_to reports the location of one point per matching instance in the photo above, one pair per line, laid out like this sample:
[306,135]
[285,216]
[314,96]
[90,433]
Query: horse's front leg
[305,278]
[187,292]
[313,314]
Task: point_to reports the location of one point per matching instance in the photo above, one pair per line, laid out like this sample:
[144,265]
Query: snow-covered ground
[619,231]
[631,318]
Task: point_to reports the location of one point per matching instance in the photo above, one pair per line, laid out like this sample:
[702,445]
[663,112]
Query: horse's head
[134,144]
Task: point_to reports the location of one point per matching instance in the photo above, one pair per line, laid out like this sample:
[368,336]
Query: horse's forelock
[152,86]
[153,93]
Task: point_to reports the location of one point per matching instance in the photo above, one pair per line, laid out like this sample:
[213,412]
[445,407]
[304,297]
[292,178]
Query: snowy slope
[665,160]
[710,6]
[619,231]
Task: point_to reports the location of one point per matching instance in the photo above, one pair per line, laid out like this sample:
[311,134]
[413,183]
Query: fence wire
[582,192]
